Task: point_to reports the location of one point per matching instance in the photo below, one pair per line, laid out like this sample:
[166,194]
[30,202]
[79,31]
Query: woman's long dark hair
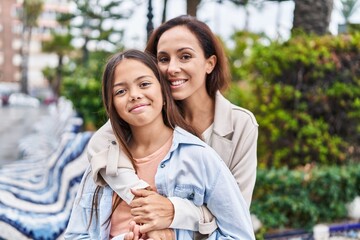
[170,112]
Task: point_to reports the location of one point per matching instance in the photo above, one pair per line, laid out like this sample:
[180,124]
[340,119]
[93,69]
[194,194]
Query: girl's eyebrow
[136,80]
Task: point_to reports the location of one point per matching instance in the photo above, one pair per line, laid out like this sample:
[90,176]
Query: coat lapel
[223,128]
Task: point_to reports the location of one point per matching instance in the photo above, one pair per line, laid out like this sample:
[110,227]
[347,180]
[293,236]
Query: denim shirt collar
[181,136]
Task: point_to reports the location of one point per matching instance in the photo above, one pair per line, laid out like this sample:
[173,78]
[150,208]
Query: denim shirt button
[162,165]
[191,196]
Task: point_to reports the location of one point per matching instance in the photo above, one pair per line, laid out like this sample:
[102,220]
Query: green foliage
[83,87]
[305,97]
[59,44]
[304,197]
[100,21]
[31,11]
[86,97]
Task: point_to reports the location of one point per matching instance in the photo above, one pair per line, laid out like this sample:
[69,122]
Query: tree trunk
[191,7]
[164,11]
[312,16]
[25,52]
[247,18]
[278,20]
[58,77]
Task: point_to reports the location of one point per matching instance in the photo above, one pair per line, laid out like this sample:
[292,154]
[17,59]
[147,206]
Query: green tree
[99,23]
[31,10]
[305,95]
[61,46]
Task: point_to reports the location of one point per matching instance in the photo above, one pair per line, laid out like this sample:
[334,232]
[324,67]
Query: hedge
[306,196]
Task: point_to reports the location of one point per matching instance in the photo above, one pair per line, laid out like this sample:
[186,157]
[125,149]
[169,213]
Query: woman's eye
[185,57]
[163,59]
[145,84]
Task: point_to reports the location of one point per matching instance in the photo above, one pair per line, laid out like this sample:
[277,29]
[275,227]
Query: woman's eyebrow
[179,50]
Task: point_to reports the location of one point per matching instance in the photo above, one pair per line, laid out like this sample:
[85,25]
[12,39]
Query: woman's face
[181,59]
[137,93]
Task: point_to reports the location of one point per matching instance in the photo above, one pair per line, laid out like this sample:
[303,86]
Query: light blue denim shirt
[190,170]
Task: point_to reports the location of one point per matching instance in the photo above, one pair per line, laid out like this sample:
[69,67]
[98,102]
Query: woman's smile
[177,83]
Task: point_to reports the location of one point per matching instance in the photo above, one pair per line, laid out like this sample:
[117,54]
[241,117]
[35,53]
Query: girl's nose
[134,95]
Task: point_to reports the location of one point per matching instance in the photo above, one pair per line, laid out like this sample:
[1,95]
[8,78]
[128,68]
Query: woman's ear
[211,63]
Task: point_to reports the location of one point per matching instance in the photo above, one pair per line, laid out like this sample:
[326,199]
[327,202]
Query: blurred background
[295,64]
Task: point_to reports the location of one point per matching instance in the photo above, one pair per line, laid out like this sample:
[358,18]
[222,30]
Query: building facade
[9,68]
[11,41]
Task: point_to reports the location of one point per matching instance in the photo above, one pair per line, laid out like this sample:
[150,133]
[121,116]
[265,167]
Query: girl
[150,131]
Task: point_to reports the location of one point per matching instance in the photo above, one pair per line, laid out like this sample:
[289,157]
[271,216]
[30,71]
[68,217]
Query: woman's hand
[151,210]
[164,234]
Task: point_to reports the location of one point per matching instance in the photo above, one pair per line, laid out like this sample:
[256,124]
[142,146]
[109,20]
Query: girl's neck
[199,111]
[147,139]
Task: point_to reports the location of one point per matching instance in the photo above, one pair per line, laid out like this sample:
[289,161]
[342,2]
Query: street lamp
[150,25]
[86,34]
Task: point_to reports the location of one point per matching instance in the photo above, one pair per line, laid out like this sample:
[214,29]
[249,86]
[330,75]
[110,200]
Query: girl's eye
[120,92]
[144,84]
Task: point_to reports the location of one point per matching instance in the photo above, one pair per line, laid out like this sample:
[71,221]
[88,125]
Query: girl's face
[181,59]
[137,93]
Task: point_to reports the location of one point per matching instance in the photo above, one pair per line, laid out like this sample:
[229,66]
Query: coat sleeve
[244,161]
[191,217]
[110,166]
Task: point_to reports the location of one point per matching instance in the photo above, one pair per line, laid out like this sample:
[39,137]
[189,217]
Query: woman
[185,47]
[147,126]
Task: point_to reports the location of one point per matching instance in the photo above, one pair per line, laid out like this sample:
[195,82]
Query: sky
[223,19]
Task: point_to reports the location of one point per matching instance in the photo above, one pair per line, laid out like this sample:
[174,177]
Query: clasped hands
[152,214]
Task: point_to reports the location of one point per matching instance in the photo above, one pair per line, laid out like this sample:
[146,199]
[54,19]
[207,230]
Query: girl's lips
[137,108]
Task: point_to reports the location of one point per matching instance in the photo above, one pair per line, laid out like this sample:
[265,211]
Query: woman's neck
[147,139]
[199,111]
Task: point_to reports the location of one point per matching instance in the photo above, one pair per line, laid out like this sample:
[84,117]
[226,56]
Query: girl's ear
[210,64]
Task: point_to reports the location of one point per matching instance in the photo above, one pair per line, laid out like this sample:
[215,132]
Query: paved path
[16,122]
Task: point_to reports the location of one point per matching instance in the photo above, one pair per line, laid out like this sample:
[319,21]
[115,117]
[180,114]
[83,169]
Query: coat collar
[223,124]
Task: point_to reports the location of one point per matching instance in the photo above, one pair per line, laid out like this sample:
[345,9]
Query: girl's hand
[151,210]
[134,232]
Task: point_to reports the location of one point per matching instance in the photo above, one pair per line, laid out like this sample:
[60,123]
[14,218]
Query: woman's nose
[174,67]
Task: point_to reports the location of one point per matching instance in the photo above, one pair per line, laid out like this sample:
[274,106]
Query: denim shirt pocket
[192,193]
[86,201]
